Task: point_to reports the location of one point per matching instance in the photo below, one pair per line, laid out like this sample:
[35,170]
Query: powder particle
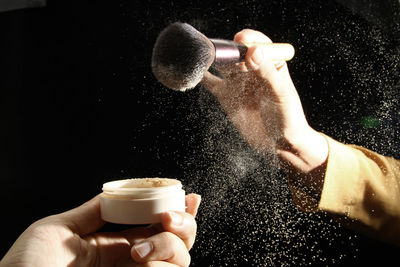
[346,68]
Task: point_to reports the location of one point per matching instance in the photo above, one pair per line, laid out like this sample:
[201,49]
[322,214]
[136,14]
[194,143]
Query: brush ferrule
[228,52]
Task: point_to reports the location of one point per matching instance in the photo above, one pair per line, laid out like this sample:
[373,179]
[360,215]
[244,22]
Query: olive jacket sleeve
[360,188]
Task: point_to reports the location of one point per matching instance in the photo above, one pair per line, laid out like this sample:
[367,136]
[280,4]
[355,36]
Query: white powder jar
[141,200]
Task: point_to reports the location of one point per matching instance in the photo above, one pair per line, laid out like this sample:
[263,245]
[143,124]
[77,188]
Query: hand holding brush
[262,102]
[181,55]
[258,94]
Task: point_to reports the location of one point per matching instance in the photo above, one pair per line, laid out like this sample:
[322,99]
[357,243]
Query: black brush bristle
[181,56]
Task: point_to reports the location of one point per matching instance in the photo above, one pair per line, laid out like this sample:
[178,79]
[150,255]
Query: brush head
[181,56]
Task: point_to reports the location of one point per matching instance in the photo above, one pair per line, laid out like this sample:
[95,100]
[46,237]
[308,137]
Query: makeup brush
[182,54]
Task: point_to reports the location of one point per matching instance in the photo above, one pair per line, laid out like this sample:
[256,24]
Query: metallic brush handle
[228,52]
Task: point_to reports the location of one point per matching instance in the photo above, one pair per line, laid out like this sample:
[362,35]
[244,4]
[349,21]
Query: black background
[80,106]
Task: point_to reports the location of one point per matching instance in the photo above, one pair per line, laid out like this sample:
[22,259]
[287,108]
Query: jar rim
[141,185]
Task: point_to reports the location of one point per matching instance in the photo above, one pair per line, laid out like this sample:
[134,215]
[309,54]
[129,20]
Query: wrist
[305,158]
[302,151]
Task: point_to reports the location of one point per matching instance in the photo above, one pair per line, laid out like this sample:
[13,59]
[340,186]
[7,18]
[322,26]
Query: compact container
[140,200]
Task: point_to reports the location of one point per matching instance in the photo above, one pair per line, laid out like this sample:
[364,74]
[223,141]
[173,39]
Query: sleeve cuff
[341,183]
[338,193]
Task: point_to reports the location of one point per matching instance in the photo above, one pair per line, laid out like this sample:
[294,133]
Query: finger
[181,224]
[84,219]
[279,85]
[154,263]
[253,39]
[192,204]
[107,248]
[255,57]
[114,249]
[255,60]
[164,246]
[250,38]
[258,54]
[137,234]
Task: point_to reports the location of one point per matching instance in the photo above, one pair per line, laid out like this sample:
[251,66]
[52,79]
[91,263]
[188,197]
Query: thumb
[84,219]
[274,74]
[257,59]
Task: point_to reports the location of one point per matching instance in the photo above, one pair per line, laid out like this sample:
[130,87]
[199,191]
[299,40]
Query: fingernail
[176,219]
[143,249]
[258,56]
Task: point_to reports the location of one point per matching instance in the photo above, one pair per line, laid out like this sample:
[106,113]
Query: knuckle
[170,241]
[188,260]
[168,237]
